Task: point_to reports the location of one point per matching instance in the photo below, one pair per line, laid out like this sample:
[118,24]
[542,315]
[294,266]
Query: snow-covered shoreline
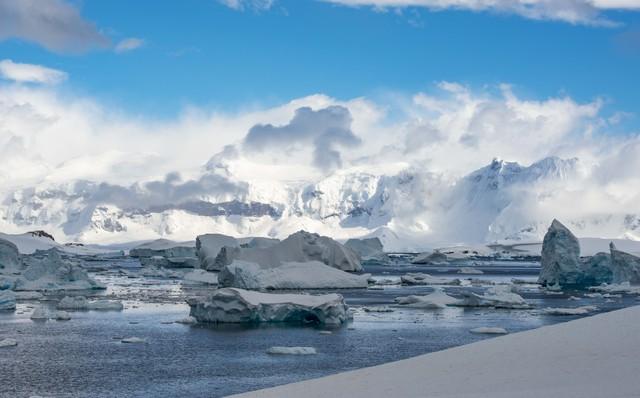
[567,360]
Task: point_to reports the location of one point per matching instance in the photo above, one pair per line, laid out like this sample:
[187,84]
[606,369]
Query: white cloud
[241,5]
[54,24]
[571,11]
[29,73]
[129,44]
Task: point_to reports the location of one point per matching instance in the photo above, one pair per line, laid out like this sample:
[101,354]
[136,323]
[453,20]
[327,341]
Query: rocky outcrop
[230,305]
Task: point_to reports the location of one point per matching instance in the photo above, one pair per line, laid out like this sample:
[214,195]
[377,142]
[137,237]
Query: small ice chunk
[8,343]
[291,351]
[189,320]
[584,310]
[62,316]
[436,300]
[426,279]
[470,271]
[133,340]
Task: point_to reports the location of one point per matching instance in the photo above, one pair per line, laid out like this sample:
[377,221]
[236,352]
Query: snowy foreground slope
[409,209]
[589,357]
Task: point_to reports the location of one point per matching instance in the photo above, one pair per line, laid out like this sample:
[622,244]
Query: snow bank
[208,247]
[300,247]
[7,300]
[29,242]
[80,303]
[51,272]
[291,351]
[309,275]
[231,305]
[500,296]
[426,279]
[566,360]
[436,300]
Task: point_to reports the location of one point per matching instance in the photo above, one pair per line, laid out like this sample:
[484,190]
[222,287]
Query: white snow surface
[565,360]
[308,275]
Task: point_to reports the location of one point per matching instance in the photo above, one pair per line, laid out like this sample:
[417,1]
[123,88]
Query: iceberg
[308,275]
[500,296]
[201,276]
[300,247]
[62,316]
[40,313]
[9,257]
[369,249]
[164,248]
[51,272]
[231,305]
[560,257]
[7,300]
[208,247]
[625,267]
[80,303]
[433,301]
[435,257]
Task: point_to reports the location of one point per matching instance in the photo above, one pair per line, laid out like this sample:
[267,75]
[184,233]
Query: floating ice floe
[300,247]
[436,300]
[292,351]
[470,271]
[624,287]
[231,305]
[584,310]
[434,257]
[80,303]
[308,275]
[29,295]
[501,296]
[7,300]
[377,309]
[489,330]
[8,343]
[426,279]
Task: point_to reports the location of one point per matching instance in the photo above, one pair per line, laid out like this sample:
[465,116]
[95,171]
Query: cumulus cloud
[129,44]
[327,130]
[53,24]
[28,73]
[588,12]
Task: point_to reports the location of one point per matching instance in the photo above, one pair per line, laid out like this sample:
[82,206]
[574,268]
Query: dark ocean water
[84,357]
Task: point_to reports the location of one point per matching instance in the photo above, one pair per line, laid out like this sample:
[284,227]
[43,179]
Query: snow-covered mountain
[411,209]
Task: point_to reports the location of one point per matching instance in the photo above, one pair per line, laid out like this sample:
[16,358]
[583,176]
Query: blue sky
[202,52]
